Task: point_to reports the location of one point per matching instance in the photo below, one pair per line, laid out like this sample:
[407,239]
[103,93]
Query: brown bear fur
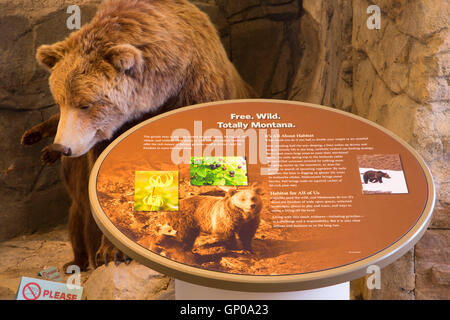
[135,59]
[237,213]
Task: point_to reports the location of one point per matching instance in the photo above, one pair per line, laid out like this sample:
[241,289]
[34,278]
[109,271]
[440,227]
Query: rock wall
[321,51]
[262,37]
[317,51]
[32,198]
[401,81]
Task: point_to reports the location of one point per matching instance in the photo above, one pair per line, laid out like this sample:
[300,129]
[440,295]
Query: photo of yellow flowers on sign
[156,191]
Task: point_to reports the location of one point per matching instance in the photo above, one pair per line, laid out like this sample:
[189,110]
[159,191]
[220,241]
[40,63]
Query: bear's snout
[65,151]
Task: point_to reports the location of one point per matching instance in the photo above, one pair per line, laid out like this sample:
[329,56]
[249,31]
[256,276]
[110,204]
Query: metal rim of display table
[260,283]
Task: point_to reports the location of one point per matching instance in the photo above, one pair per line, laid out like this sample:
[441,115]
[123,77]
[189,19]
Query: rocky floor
[28,255]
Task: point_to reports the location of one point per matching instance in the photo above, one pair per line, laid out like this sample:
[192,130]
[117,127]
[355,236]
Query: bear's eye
[84,107]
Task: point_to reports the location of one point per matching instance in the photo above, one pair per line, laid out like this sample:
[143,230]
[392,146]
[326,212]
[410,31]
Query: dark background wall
[317,51]
[32,198]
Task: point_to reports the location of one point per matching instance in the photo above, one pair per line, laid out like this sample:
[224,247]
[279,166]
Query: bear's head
[247,201]
[383,174]
[94,90]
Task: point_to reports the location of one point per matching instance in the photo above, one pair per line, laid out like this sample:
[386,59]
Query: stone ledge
[29,254]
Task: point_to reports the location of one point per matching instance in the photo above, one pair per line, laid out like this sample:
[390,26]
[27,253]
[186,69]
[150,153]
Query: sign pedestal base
[189,291]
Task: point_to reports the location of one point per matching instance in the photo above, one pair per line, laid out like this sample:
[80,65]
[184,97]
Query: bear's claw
[49,156]
[31,137]
[108,253]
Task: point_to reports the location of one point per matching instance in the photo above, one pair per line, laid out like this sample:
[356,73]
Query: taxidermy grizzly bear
[135,59]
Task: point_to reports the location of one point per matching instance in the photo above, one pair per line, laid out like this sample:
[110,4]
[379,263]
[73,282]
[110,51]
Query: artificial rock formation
[128,282]
[32,196]
[401,81]
[28,255]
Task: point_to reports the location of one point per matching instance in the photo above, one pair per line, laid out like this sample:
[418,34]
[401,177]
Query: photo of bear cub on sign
[381,173]
[209,227]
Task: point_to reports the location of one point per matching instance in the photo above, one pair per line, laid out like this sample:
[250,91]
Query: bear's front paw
[49,156]
[31,137]
[107,253]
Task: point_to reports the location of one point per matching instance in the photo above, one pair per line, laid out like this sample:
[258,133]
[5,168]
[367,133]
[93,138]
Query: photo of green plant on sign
[156,191]
[218,171]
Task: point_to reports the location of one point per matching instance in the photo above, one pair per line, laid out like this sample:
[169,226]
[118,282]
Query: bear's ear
[231,192]
[257,188]
[49,55]
[125,57]
[259,191]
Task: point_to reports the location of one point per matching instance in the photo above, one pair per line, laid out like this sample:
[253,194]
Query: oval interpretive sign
[261,195]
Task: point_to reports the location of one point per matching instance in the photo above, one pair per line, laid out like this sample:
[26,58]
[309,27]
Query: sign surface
[37,289]
[279,194]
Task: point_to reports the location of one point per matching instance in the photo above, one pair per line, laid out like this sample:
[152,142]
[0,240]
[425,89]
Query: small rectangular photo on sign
[218,171]
[381,174]
[156,191]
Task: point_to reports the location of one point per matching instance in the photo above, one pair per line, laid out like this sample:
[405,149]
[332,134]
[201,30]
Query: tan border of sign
[257,283]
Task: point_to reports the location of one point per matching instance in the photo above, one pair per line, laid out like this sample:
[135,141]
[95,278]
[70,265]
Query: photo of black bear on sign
[381,173]
[374,176]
